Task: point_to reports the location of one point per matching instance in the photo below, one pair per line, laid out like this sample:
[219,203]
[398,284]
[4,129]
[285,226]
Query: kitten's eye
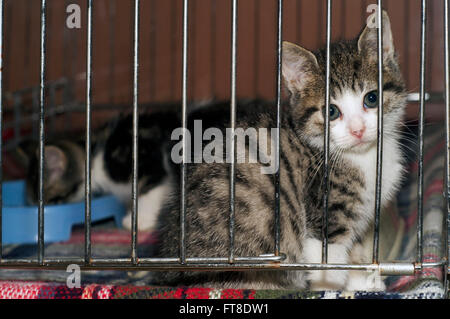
[371,100]
[334,112]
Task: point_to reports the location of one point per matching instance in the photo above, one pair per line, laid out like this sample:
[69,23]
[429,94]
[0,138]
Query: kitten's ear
[299,66]
[55,163]
[368,40]
[26,151]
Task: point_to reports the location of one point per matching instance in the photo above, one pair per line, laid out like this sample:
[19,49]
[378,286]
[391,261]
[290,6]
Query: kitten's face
[354,98]
[63,174]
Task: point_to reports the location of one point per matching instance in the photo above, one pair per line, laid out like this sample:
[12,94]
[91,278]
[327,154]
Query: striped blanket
[398,240]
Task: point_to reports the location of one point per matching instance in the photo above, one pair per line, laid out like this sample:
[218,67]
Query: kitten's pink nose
[358,131]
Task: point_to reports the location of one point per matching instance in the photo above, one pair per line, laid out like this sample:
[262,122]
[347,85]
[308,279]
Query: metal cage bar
[87,194]
[233,126]
[376,243]
[423,18]
[447,143]
[277,150]
[197,264]
[43,34]
[326,143]
[184,125]
[134,191]
[1,125]
[200,263]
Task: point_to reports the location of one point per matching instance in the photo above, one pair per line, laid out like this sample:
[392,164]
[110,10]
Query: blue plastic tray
[20,222]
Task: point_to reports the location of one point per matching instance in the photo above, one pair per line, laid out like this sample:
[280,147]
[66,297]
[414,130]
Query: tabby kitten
[353,139]
[111,165]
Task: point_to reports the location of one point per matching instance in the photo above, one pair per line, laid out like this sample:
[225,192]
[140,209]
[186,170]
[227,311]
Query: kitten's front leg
[149,206]
[326,279]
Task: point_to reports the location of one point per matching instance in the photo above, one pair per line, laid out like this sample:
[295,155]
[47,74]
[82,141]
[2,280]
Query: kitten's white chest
[391,174]
[102,182]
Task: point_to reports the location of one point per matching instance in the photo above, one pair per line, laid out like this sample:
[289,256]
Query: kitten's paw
[126,221]
[143,223]
[149,205]
[327,279]
[365,281]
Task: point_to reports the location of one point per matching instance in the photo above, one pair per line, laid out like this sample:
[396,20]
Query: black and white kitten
[64,167]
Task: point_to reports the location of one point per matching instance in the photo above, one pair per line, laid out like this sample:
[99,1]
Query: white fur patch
[359,280]
[102,182]
[149,206]
[326,279]
[391,175]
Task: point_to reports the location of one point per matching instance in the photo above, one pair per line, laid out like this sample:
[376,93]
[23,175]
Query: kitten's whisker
[394,134]
[399,143]
[311,179]
[336,153]
[409,132]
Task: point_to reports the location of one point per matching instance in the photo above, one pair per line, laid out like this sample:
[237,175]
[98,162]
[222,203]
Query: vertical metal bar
[447,142]
[41,133]
[376,244]
[87,199]
[134,191]
[233,127]
[277,158]
[423,19]
[326,139]
[184,125]
[1,125]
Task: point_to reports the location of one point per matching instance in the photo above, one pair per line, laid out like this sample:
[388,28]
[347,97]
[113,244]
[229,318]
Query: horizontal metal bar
[61,83]
[435,97]
[214,264]
[387,269]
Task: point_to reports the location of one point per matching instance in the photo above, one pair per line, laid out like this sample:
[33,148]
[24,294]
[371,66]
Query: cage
[127,56]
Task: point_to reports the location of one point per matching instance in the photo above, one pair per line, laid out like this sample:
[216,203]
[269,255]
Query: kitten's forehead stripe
[307,114]
[391,86]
